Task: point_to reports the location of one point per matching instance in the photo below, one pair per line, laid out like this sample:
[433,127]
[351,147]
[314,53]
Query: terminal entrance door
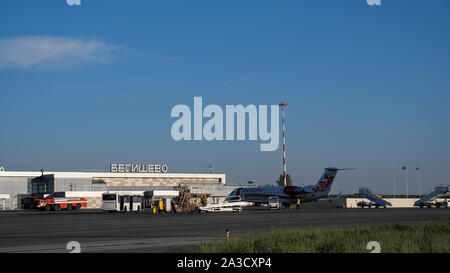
[121,201]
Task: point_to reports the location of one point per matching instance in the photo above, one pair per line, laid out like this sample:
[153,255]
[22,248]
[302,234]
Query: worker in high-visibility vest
[152,206]
[298,203]
[161,205]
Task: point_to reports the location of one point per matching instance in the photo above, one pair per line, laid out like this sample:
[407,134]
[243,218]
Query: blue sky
[367,86]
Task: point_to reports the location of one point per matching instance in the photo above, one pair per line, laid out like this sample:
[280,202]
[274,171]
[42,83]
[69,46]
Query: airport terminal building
[15,185]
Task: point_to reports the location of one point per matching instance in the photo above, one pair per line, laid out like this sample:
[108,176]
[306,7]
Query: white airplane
[288,194]
[235,206]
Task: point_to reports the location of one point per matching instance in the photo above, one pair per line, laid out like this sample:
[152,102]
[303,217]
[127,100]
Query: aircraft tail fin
[326,180]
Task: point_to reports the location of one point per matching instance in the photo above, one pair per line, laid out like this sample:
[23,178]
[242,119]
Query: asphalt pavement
[97,231]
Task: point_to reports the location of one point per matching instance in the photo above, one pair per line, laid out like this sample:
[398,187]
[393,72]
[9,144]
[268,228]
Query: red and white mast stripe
[282,105]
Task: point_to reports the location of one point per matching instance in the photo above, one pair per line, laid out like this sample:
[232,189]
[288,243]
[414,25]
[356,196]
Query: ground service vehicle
[59,203]
[430,199]
[122,202]
[274,202]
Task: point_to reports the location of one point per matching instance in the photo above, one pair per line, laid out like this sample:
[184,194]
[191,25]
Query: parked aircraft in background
[288,194]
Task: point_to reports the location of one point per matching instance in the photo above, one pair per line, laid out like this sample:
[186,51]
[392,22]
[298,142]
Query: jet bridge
[376,200]
[439,191]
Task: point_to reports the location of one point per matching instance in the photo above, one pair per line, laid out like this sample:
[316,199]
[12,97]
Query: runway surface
[96,231]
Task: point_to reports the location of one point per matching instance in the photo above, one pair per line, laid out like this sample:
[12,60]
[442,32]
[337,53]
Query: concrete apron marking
[106,246]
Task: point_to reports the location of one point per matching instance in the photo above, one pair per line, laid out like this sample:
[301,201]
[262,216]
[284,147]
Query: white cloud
[51,52]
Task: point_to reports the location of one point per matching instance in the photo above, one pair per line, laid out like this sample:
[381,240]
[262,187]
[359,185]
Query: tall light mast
[283,105]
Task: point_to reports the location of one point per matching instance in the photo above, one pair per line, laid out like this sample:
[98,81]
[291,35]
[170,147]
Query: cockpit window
[235,195]
[237,191]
